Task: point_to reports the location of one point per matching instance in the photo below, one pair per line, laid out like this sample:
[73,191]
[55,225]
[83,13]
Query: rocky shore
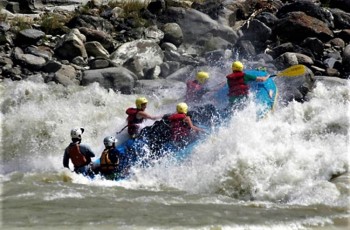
[137,46]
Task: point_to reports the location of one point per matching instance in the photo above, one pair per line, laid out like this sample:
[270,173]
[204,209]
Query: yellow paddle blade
[293,71]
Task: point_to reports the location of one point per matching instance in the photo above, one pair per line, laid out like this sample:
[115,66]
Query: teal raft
[154,141]
[264,93]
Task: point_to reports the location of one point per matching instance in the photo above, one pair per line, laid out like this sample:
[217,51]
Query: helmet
[202,77]
[109,141]
[139,101]
[76,132]
[182,108]
[237,66]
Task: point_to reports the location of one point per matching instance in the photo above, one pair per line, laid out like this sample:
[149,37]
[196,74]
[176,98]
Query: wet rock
[115,78]
[297,26]
[145,52]
[29,37]
[173,34]
[71,46]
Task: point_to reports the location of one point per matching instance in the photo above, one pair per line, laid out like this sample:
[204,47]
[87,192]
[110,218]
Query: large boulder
[196,26]
[297,26]
[115,78]
[138,55]
[71,45]
[295,88]
[164,88]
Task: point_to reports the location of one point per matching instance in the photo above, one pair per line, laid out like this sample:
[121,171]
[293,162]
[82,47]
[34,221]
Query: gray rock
[96,50]
[163,88]
[29,60]
[296,26]
[152,32]
[346,58]
[71,46]
[115,78]
[295,88]
[173,33]
[145,53]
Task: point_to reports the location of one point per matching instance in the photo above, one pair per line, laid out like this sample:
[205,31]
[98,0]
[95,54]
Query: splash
[287,157]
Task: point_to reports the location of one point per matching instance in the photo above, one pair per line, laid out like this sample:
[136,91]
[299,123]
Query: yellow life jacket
[106,165]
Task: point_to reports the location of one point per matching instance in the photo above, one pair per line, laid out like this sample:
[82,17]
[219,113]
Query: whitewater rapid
[289,156]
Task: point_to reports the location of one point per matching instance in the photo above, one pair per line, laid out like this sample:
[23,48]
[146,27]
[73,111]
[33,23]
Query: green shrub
[19,23]
[52,23]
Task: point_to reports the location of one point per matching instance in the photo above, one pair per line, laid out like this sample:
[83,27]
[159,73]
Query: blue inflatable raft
[154,141]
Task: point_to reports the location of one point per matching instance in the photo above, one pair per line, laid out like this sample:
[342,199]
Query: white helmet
[76,132]
[109,141]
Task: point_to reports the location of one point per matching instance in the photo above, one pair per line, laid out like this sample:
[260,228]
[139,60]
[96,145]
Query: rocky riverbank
[123,45]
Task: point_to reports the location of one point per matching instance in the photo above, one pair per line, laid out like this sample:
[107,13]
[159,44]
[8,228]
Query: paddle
[293,71]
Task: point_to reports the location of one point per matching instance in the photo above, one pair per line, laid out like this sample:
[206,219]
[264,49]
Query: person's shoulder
[86,146]
[248,74]
[69,145]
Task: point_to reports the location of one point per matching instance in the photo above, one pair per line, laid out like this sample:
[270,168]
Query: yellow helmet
[139,101]
[237,66]
[182,108]
[202,77]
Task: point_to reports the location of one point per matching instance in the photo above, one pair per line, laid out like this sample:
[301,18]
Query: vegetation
[130,5]
[19,23]
[53,23]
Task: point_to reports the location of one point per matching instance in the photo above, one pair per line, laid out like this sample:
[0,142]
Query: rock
[96,50]
[29,37]
[296,26]
[165,88]
[173,34]
[152,32]
[295,88]
[145,54]
[340,4]
[115,78]
[105,39]
[71,46]
[29,60]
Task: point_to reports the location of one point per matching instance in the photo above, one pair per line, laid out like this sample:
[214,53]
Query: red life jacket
[179,128]
[236,84]
[133,121]
[77,158]
[193,91]
[106,165]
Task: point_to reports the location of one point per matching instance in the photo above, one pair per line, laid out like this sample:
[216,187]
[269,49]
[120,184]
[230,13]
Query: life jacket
[236,84]
[133,121]
[193,92]
[179,129]
[77,158]
[106,165]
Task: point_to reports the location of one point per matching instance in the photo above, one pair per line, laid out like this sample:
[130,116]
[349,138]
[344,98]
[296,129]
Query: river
[268,174]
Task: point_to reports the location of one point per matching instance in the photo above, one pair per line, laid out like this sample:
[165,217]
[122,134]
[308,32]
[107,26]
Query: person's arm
[86,150]
[248,77]
[66,159]
[145,115]
[192,126]
[262,78]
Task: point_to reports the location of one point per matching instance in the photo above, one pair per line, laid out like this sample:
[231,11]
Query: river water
[269,174]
